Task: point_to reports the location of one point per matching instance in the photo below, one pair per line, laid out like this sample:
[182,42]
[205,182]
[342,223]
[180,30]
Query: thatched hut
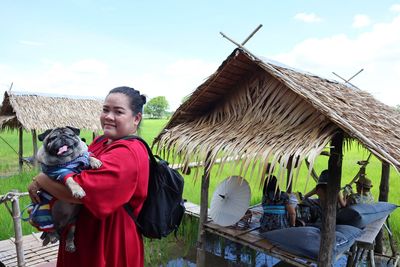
[33,112]
[266,113]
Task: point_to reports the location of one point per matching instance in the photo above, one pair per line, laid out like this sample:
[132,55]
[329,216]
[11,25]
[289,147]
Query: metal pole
[16,214]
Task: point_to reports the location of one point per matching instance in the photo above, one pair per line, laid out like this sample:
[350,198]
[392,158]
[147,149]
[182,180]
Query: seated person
[277,210]
[310,208]
[363,195]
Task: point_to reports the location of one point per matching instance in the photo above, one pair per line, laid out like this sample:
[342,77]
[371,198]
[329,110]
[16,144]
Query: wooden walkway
[37,255]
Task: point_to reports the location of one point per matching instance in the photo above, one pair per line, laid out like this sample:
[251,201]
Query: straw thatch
[36,112]
[257,110]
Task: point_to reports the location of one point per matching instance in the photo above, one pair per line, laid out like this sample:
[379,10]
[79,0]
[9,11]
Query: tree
[156,107]
[398,108]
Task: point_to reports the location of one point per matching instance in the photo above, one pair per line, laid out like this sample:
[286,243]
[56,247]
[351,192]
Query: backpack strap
[128,207]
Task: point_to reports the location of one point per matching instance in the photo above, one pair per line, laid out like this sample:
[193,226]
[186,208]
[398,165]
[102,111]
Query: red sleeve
[123,176]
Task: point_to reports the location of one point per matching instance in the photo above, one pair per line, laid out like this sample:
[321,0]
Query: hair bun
[143,99]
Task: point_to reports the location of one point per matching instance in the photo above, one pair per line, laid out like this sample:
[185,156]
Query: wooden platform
[247,233]
[35,253]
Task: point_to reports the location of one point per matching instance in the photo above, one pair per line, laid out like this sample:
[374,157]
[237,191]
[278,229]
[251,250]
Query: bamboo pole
[201,240]
[21,149]
[251,34]
[16,214]
[329,204]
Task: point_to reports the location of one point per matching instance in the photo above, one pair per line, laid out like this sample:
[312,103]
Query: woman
[363,195]
[277,210]
[105,234]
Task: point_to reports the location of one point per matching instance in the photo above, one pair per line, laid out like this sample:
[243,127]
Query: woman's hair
[137,100]
[271,189]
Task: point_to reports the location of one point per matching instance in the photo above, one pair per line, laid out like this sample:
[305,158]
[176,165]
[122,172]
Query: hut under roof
[267,114]
[270,112]
[37,112]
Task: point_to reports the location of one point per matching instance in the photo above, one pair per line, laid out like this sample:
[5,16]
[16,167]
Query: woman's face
[117,119]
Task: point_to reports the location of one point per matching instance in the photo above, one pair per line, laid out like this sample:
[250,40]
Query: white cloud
[377,51]
[175,80]
[307,17]
[30,43]
[395,8]
[360,21]
[91,77]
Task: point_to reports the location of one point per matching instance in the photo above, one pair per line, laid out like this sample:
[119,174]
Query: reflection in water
[172,252]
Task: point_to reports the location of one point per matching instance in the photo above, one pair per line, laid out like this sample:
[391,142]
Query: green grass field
[149,129]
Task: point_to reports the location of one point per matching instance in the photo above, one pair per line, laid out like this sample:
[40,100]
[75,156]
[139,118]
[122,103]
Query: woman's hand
[33,189]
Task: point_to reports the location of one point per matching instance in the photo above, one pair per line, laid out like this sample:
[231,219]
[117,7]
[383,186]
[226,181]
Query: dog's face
[60,145]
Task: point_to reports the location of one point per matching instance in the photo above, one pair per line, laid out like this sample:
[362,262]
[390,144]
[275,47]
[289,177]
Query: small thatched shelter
[39,112]
[33,112]
[264,113]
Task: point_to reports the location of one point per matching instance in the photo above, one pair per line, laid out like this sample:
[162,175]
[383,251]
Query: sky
[168,48]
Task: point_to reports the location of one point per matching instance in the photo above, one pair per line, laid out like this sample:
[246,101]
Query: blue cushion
[305,241]
[360,215]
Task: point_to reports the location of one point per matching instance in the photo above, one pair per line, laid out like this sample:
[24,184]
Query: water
[224,253]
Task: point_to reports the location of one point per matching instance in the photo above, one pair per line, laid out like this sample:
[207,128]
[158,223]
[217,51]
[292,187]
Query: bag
[163,209]
[308,211]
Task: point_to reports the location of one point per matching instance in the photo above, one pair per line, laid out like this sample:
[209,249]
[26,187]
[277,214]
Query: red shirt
[106,236]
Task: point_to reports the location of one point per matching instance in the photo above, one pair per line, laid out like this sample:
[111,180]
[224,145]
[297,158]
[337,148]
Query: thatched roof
[31,111]
[270,113]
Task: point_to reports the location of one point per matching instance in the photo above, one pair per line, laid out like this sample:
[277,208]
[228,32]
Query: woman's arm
[311,193]
[342,200]
[291,210]
[58,190]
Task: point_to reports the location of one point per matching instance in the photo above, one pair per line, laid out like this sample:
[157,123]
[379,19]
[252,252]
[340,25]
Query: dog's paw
[70,247]
[94,163]
[45,238]
[78,192]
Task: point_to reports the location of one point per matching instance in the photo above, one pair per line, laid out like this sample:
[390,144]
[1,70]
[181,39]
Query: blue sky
[168,48]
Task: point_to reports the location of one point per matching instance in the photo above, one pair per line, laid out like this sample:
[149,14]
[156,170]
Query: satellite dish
[230,201]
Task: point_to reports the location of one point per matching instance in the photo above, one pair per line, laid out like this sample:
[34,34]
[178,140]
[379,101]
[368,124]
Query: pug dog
[63,154]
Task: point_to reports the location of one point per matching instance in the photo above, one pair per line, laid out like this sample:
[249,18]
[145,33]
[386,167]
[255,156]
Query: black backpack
[163,209]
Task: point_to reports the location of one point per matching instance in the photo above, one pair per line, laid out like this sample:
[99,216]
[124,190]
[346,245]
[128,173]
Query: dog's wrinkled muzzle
[62,146]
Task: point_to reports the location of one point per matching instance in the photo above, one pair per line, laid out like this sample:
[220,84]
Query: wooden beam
[35,147]
[201,240]
[289,182]
[20,149]
[383,196]
[329,203]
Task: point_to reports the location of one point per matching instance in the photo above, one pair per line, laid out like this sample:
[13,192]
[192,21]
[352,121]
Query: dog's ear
[75,130]
[42,136]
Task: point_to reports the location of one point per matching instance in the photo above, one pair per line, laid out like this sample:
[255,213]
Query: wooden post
[201,240]
[21,149]
[16,214]
[329,204]
[35,147]
[383,196]
[288,173]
